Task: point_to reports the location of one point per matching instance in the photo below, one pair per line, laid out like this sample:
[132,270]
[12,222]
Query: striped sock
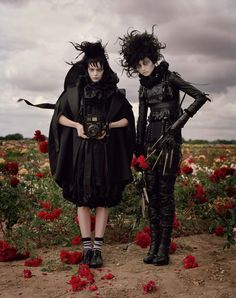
[98,241]
[87,243]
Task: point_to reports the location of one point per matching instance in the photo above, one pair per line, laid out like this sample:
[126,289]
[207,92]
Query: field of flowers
[33,213]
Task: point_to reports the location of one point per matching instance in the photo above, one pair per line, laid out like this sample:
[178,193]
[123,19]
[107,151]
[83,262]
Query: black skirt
[92,185]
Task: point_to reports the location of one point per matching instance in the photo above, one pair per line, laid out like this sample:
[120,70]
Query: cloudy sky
[34,45]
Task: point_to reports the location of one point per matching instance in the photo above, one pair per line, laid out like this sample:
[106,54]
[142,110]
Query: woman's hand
[102,135]
[80,130]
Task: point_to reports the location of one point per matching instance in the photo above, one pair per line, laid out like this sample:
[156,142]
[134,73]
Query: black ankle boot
[96,261]
[87,256]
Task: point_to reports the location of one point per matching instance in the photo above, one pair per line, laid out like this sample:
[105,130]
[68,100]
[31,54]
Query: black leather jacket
[163,99]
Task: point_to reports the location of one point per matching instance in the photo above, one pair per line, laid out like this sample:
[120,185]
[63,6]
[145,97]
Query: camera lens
[93,130]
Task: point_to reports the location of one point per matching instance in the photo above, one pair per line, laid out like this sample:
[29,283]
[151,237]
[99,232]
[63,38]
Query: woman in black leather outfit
[160,132]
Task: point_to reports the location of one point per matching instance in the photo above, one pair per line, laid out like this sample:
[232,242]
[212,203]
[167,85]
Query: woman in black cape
[91,143]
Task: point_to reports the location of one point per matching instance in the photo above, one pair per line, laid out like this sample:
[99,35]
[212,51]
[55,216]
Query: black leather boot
[96,261]
[162,257]
[166,193]
[155,242]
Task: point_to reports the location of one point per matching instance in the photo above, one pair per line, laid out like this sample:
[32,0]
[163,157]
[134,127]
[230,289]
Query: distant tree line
[199,141]
[15,136]
[18,136]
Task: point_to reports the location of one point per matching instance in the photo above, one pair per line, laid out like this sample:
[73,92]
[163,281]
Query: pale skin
[145,66]
[95,72]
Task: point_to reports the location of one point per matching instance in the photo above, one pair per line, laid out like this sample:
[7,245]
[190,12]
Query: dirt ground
[215,276]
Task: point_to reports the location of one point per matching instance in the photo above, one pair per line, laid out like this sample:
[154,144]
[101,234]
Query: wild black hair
[93,53]
[135,46]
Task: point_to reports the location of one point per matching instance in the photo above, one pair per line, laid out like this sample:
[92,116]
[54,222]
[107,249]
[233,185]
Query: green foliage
[20,205]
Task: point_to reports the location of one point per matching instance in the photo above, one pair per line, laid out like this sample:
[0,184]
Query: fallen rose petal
[108,276]
[93,288]
[27,273]
[149,287]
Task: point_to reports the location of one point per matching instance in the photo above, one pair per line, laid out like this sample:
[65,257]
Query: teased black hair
[135,46]
[93,53]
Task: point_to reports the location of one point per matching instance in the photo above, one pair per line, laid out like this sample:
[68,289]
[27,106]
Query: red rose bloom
[7,252]
[14,181]
[142,239]
[200,194]
[54,214]
[40,175]
[187,170]
[76,240]
[147,230]
[219,231]
[70,257]
[176,222]
[173,247]
[11,168]
[33,262]
[43,147]
[45,205]
[139,163]
[190,262]
[149,287]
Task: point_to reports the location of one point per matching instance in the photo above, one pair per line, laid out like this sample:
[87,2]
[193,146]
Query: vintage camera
[93,126]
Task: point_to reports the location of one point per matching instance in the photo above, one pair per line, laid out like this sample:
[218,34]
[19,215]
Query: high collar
[155,77]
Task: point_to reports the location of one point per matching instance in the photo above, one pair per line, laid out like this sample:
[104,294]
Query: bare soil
[215,276]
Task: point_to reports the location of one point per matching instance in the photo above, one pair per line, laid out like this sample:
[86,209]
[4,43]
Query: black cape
[64,142]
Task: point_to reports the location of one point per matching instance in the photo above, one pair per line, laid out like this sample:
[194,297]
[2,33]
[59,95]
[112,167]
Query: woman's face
[95,71]
[145,67]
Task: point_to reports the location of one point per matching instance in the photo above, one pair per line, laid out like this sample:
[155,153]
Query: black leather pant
[160,189]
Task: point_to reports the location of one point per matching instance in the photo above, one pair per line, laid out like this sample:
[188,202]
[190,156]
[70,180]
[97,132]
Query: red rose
[142,239]
[40,175]
[27,273]
[14,181]
[219,231]
[139,163]
[45,205]
[176,222]
[173,247]
[76,240]
[187,170]
[147,230]
[7,252]
[43,147]
[33,262]
[84,272]
[200,194]
[70,257]
[190,262]
[54,214]
[149,287]
[11,168]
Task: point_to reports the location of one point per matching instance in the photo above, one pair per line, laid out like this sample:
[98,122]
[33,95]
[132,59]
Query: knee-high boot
[154,215]
[166,190]
[155,234]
